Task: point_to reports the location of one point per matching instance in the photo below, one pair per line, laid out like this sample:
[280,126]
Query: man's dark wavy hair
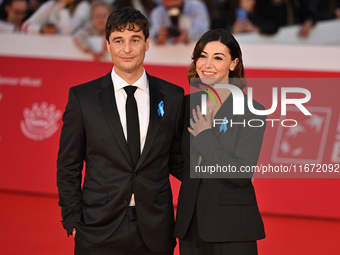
[126,18]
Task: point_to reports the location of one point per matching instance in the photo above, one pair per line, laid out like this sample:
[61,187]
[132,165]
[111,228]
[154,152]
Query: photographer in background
[144,6]
[240,16]
[12,15]
[290,12]
[178,21]
[96,27]
[58,17]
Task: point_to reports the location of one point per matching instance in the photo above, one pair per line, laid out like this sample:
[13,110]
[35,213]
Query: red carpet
[30,225]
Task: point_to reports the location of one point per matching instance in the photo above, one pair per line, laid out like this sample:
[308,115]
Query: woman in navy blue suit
[217,212]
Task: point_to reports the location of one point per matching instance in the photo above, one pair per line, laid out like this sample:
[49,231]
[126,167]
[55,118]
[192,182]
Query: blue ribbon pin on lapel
[224,126]
[161,108]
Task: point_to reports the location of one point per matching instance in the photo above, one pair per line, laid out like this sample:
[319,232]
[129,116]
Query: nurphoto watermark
[271,128]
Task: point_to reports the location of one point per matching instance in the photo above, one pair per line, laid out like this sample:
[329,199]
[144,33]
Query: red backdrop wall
[33,95]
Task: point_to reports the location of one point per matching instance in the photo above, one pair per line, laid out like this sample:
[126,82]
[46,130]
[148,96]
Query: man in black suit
[125,205]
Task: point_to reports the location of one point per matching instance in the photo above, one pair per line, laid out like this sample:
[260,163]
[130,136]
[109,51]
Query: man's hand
[162,35]
[49,29]
[183,36]
[244,26]
[306,28]
[74,232]
[337,13]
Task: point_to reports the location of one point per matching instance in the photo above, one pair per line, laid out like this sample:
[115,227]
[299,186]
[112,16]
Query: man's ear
[108,46]
[7,8]
[147,44]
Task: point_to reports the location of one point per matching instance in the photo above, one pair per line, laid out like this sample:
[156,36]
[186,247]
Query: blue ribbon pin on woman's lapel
[224,126]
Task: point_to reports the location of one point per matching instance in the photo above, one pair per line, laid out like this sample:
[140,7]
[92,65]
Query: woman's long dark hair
[223,36]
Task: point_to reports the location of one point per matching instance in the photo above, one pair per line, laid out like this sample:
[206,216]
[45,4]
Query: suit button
[125,202]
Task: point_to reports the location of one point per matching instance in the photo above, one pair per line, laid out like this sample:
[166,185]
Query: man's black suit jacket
[92,133]
[226,207]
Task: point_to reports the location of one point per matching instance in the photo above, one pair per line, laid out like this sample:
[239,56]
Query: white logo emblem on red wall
[305,143]
[41,121]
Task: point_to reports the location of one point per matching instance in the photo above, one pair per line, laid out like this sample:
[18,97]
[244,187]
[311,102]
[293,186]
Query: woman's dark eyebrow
[214,53]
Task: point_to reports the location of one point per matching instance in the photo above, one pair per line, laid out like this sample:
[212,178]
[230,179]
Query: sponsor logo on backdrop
[336,147]
[20,81]
[293,145]
[41,121]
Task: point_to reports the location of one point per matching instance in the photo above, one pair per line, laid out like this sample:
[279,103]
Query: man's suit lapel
[155,98]
[109,106]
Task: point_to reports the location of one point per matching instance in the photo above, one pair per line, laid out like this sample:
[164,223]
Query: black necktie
[132,122]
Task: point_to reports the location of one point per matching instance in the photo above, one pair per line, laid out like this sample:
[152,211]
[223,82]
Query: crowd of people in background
[171,21]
